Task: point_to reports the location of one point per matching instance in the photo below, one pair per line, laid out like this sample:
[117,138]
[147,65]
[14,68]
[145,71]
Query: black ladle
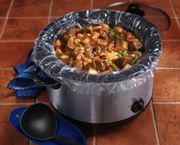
[39,122]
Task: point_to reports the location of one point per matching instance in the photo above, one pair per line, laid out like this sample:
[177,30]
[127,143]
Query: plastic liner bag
[44,54]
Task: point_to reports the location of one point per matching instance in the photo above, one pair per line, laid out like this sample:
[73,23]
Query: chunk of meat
[121,62]
[58,43]
[79,61]
[58,52]
[86,41]
[134,45]
[103,35]
[89,52]
[126,60]
[73,31]
[118,62]
[118,29]
[65,58]
[102,42]
[95,36]
[71,43]
[105,27]
[80,36]
[100,65]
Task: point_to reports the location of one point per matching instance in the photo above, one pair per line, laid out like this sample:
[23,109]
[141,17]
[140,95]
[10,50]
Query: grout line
[174,11]
[7,68]
[92,4]
[171,40]
[167,68]
[46,103]
[50,11]
[37,100]
[155,124]
[6,19]
[18,104]
[10,7]
[4,41]
[36,17]
[94,137]
[55,17]
[167,103]
[172,7]
[178,23]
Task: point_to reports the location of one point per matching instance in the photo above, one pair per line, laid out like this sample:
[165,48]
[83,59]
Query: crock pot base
[120,122]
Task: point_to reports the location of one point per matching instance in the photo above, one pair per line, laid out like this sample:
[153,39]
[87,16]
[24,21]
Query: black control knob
[135,9]
[137,106]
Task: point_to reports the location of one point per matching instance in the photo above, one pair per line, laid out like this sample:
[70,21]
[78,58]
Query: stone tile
[163,5]
[173,32]
[30,8]
[1,24]
[170,56]
[139,131]
[24,29]
[176,5]
[8,134]
[62,7]
[105,4]
[166,85]
[168,123]
[4,6]
[14,53]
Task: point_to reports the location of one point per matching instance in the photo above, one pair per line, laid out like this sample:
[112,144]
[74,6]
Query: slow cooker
[103,98]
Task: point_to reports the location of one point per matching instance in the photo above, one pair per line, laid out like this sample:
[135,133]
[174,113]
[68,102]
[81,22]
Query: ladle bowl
[40,123]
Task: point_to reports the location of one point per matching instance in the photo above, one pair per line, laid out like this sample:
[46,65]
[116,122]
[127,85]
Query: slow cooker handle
[44,82]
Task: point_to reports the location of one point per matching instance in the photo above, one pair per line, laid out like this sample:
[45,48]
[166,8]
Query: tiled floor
[20,23]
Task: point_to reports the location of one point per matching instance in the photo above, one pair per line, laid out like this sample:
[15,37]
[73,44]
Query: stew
[98,48]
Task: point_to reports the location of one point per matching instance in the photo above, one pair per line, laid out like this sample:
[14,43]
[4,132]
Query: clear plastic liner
[44,54]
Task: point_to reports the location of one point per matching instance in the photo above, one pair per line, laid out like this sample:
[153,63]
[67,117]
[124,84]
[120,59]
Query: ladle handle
[44,82]
[66,140]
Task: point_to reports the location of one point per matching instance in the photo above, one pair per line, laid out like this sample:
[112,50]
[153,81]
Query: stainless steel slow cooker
[101,98]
